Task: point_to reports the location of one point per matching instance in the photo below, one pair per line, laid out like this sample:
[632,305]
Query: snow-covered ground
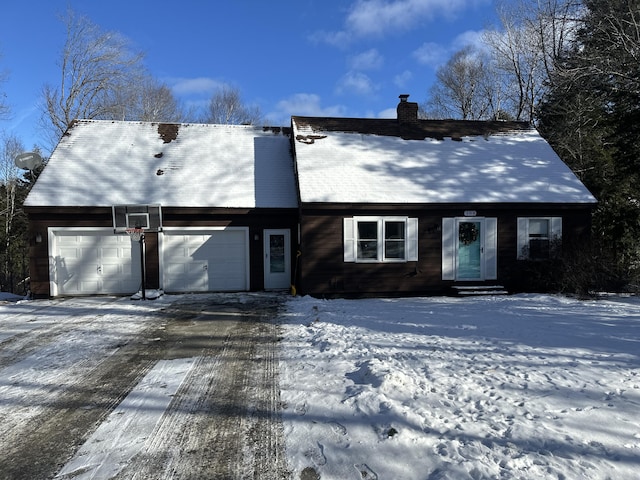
[506,387]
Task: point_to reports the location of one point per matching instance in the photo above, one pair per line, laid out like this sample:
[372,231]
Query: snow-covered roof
[429,161]
[103,163]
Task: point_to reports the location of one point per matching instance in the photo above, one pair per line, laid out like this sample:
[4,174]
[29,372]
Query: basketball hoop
[136,234]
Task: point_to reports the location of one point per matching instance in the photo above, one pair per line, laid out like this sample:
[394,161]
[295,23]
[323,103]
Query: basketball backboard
[146,217]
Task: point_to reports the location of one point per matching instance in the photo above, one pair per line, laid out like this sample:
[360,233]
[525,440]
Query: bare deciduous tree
[147,100]
[9,208]
[463,88]
[226,108]
[531,37]
[93,66]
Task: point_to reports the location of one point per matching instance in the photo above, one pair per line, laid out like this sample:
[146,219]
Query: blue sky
[289,57]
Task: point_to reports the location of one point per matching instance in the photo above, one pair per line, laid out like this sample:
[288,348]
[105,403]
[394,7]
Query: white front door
[277,259]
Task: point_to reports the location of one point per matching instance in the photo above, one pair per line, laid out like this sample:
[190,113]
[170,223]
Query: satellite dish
[28,161]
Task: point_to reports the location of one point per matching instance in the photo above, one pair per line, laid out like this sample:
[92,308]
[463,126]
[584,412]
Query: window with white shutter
[539,237]
[380,239]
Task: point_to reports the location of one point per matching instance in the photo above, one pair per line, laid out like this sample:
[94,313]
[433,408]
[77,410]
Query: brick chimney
[407,111]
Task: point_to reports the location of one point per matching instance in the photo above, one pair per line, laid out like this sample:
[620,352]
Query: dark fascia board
[436,129]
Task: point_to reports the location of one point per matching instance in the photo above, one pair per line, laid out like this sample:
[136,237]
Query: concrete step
[469,290]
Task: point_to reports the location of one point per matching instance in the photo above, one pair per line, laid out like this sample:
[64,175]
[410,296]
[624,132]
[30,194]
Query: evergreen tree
[592,117]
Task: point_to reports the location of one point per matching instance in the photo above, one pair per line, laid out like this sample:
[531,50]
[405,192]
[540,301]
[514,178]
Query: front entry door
[277,259]
[470,249]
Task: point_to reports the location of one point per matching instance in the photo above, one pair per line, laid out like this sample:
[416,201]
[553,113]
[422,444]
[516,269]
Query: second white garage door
[205,260]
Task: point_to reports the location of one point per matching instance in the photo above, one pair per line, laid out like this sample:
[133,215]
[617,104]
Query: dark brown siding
[40,219]
[324,273]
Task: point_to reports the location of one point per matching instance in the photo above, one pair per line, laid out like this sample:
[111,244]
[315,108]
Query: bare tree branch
[226,108]
[93,65]
[463,88]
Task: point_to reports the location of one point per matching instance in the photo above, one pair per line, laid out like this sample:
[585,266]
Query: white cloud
[379,17]
[308,104]
[436,54]
[471,38]
[388,113]
[432,54]
[356,82]
[376,17]
[369,60]
[194,86]
[402,79]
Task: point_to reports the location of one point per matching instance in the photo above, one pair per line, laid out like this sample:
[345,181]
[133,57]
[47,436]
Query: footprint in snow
[315,453]
[365,472]
[300,409]
[337,428]
[441,450]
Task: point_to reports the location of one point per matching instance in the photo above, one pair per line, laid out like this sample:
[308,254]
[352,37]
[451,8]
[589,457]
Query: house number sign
[470,213]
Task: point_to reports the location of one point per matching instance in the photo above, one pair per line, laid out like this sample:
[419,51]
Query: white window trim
[555,233]
[350,240]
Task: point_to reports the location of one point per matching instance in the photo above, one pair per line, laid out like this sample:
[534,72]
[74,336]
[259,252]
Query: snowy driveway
[181,387]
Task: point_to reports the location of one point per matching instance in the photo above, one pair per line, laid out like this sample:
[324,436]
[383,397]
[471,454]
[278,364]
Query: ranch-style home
[333,206]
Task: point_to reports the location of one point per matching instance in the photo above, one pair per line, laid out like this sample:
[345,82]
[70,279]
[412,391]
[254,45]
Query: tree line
[569,67]
[103,77]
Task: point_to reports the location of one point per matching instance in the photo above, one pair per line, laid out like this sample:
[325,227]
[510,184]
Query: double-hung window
[380,239]
[539,237]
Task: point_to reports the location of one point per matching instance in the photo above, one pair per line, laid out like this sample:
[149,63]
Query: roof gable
[102,163]
[428,161]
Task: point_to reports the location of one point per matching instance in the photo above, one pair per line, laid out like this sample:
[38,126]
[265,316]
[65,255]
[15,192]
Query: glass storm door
[277,259]
[470,250]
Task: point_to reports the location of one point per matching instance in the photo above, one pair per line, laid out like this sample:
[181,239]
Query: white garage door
[211,260]
[93,262]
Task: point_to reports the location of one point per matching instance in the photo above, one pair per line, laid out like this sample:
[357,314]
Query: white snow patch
[127,428]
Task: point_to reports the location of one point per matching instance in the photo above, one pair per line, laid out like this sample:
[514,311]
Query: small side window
[539,238]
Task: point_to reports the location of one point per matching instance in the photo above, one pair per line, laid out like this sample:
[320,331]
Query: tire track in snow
[121,436]
[54,396]
[224,420]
